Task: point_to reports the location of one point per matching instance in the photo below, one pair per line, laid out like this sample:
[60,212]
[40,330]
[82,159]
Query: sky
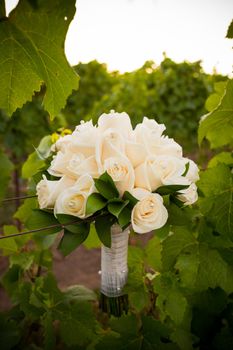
[126,33]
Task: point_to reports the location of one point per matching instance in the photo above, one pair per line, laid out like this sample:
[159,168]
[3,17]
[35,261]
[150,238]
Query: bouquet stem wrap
[114,272]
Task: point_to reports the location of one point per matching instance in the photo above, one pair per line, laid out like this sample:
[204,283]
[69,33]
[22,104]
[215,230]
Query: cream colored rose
[135,152]
[48,191]
[120,122]
[84,139]
[122,173]
[167,146]
[157,171]
[73,165]
[193,171]
[149,213]
[72,201]
[149,134]
[58,166]
[62,143]
[110,144]
[188,195]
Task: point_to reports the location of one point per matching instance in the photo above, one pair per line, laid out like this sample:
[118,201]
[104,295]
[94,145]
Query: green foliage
[6,169]
[31,46]
[95,202]
[230,31]
[217,185]
[106,187]
[217,125]
[103,228]
[71,240]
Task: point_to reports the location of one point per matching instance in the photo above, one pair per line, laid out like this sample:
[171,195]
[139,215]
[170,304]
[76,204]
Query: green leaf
[78,325]
[124,217]
[5,173]
[92,240]
[23,259]
[78,225]
[125,335]
[214,99]
[217,125]
[9,333]
[95,202]
[155,335]
[8,245]
[223,157]
[103,226]
[106,186]
[179,239]
[132,200]
[79,293]
[201,267]
[187,165]
[49,332]
[230,31]
[39,219]
[32,165]
[216,185]
[32,54]
[71,241]
[179,216]
[115,207]
[153,253]
[170,299]
[25,210]
[135,287]
[170,189]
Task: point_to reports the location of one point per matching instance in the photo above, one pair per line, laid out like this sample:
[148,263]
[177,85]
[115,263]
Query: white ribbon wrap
[114,268]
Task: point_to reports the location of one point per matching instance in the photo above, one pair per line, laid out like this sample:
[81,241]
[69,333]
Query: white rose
[110,144]
[135,152]
[149,213]
[193,171]
[73,165]
[84,139]
[72,201]
[48,191]
[122,173]
[188,195]
[119,122]
[167,146]
[157,171]
[62,143]
[149,134]
[58,166]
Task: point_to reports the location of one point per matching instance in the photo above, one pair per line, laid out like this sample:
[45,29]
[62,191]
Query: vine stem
[51,226]
[38,230]
[18,198]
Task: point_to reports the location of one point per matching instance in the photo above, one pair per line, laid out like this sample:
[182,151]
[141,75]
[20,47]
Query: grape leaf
[125,335]
[32,53]
[170,300]
[217,186]
[222,157]
[230,31]
[201,267]
[217,126]
[173,245]
[78,325]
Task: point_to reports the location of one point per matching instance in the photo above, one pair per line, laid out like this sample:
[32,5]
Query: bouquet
[115,177]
